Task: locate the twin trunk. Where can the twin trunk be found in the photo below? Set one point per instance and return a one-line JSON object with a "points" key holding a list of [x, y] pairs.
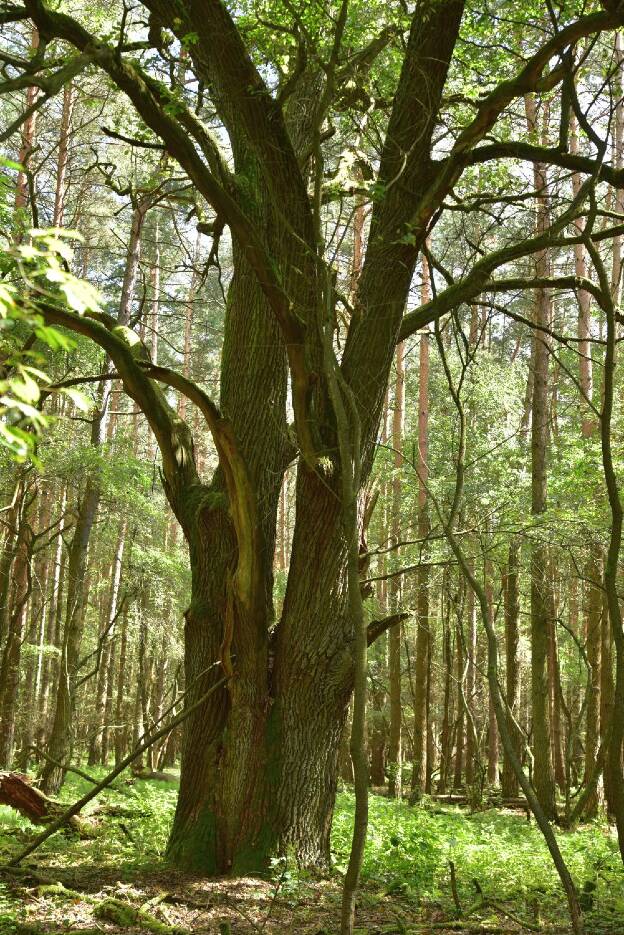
{"points": [[259, 762]]}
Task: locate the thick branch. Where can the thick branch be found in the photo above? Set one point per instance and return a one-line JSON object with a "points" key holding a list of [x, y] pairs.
{"points": [[220, 57], [530, 78], [123, 347], [147, 97], [377, 627], [518, 149], [13, 14], [241, 493], [478, 280]]}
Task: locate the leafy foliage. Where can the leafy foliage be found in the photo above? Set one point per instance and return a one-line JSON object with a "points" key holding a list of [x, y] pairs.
{"points": [[34, 270]]}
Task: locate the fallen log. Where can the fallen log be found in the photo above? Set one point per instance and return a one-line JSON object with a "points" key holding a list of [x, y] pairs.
{"points": [[494, 801], [156, 775], [18, 793]]}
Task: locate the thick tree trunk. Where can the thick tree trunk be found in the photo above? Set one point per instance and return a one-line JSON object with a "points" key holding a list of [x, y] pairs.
{"points": [[313, 673], [218, 783], [270, 753]]}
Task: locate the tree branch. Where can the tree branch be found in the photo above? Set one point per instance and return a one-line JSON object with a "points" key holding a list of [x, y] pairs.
{"points": [[478, 280], [377, 627], [530, 78], [517, 149], [124, 348], [148, 96], [242, 498], [50, 86], [227, 65]]}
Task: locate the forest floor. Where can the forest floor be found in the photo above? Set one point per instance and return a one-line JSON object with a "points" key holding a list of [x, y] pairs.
{"points": [[107, 879]]}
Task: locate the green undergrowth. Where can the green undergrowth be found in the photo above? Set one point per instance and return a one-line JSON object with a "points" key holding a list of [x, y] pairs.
{"points": [[134, 837], [407, 855], [409, 851]]}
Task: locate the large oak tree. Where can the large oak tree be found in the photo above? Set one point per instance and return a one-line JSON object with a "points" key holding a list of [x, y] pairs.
{"points": [[259, 762]]}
